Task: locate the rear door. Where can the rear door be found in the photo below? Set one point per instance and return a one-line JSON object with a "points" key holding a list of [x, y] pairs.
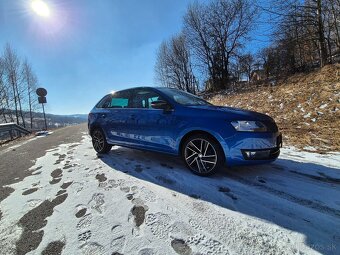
{"points": [[117, 119]]}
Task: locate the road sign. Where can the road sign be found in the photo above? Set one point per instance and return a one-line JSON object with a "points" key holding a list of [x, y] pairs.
{"points": [[42, 100], [41, 92]]}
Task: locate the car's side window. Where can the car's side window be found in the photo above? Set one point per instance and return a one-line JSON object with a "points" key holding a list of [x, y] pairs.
{"points": [[120, 100], [105, 102], [143, 98]]}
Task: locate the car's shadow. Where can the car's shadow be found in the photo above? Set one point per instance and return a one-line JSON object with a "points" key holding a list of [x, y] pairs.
{"points": [[245, 190]]}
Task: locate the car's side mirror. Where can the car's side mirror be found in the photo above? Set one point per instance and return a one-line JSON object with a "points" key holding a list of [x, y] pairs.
{"points": [[160, 104]]}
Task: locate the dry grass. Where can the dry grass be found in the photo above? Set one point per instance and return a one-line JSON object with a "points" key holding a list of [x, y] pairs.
{"points": [[306, 107]]}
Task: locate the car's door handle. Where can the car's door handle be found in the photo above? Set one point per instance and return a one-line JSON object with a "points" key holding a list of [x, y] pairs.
{"points": [[103, 115], [132, 116]]}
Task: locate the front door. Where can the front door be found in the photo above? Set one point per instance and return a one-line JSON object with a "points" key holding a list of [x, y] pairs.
{"points": [[154, 129]]}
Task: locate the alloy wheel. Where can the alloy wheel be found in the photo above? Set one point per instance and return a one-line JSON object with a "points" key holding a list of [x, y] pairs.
{"points": [[98, 141], [200, 155]]}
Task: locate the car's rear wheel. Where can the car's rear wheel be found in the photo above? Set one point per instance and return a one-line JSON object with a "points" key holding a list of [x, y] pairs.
{"points": [[99, 141], [202, 154]]}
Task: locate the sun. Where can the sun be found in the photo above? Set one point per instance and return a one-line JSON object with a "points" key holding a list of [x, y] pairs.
{"points": [[40, 8]]}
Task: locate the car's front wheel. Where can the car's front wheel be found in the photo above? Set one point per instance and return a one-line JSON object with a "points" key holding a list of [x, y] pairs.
{"points": [[99, 141], [202, 154]]}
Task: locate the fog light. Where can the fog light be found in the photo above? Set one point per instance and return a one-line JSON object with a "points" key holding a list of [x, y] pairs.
{"points": [[259, 154]]}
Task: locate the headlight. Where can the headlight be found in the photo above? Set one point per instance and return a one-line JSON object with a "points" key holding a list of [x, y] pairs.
{"points": [[249, 126]]}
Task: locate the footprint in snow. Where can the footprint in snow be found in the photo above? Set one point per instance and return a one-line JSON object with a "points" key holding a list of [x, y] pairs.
{"points": [[84, 237], [55, 181], [60, 159], [101, 177], [226, 191], [77, 187], [204, 245], [138, 213], [65, 185], [181, 247], [34, 202], [97, 202], [159, 224], [60, 192], [29, 191], [56, 175], [118, 239], [80, 211], [181, 230], [84, 222], [147, 251], [92, 248], [195, 225], [147, 195]]}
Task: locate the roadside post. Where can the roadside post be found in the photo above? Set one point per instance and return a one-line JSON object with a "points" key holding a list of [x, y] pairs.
{"points": [[41, 92]]}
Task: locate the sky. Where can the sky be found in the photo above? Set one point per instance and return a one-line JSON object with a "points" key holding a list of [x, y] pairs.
{"points": [[87, 48]]}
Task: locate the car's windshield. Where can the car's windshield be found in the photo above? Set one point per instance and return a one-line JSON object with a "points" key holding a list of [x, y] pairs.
{"points": [[183, 98]]}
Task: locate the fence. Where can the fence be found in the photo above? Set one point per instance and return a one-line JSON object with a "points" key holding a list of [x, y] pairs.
{"points": [[9, 131]]}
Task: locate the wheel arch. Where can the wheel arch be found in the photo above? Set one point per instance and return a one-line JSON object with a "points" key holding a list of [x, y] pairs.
{"points": [[94, 127], [213, 136]]}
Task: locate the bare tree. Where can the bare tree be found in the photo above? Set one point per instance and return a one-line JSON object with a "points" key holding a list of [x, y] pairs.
{"points": [[4, 100], [247, 62], [12, 73], [216, 31], [309, 29], [331, 17], [173, 66], [30, 80]]}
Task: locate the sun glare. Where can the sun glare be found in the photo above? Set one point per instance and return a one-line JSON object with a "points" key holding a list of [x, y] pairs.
{"points": [[40, 8]]}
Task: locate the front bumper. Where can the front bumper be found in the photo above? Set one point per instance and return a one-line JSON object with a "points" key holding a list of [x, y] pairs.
{"points": [[263, 154], [253, 148]]}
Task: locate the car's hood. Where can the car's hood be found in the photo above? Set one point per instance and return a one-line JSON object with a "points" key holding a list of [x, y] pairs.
{"points": [[235, 112]]}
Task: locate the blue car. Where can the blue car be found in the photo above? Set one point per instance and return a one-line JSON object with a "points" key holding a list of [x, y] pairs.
{"points": [[176, 122]]}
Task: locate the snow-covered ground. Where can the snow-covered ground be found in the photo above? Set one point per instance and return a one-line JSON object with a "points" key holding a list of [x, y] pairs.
{"points": [[134, 202]]}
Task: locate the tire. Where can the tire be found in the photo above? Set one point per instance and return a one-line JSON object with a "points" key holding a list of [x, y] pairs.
{"points": [[202, 154], [99, 141]]}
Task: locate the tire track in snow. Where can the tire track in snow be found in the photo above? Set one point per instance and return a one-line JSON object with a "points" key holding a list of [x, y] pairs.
{"points": [[304, 202]]}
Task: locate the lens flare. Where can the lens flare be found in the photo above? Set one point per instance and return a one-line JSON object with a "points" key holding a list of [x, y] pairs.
{"points": [[40, 8]]}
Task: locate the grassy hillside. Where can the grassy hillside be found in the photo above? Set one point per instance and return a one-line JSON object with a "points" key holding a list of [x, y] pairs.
{"points": [[305, 107]]}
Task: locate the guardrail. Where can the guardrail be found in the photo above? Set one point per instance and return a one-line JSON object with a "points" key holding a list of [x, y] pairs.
{"points": [[11, 131]]}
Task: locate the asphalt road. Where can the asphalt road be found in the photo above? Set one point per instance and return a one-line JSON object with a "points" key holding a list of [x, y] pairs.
{"points": [[17, 157]]}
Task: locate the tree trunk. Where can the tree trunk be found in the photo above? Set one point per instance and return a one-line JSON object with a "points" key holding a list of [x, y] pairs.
{"points": [[29, 101], [321, 35], [20, 106], [15, 99]]}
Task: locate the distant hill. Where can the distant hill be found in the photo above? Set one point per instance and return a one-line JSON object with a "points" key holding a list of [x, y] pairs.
{"points": [[79, 116], [53, 120]]}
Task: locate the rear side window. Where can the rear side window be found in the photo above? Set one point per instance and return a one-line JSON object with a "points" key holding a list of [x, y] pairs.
{"points": [[119, 102], [120, 99]]}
